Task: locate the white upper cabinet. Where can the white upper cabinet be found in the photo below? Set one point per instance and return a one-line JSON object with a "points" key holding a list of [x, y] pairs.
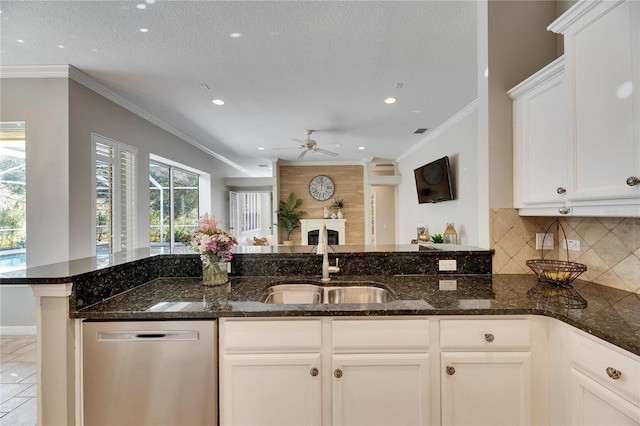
{"points": [[540, 114], [602, 47], [600, 139]]}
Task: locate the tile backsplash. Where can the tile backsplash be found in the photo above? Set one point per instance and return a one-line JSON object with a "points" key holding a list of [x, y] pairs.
{"points": [[609, 246]]}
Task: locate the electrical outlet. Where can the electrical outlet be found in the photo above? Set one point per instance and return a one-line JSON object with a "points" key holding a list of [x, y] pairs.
{"points": [[447, 265], [548, 241], [573, 245]]}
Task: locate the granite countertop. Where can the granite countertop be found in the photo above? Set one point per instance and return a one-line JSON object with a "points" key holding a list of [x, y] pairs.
{"points": [[611, 314]]}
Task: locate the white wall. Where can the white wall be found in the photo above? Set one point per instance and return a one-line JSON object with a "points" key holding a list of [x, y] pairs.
{"points": [[91, 112], [385, 213], [457, 138], [43, 105]]}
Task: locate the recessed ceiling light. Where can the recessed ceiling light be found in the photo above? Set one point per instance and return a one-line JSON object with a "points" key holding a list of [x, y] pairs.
{"points": [[260, 148], [218, 101], [144, 30], [20, 40], [150, 1], [94, 50], [235, 35], [61, 46], [141, 6], [361, 148], [390, 100]]}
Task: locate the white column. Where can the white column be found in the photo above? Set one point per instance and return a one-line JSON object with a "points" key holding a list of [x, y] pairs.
{"points": [[56, 354]]}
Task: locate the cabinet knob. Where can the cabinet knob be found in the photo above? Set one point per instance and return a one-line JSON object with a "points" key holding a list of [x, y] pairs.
{"points": [[564, 210], [450, 370], [613, 373], [314, 372], [337, 373], [561, 190], [489, 337], [632, 181]]}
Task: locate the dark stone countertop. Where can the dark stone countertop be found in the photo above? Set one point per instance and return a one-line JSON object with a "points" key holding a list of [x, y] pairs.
{"points": [[612, 315]]}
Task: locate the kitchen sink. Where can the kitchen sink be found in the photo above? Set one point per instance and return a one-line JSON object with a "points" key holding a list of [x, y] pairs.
{"points": [[305, 293]]}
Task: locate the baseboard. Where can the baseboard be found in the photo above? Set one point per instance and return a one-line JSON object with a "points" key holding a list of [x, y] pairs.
{"points": [[6, 330]]}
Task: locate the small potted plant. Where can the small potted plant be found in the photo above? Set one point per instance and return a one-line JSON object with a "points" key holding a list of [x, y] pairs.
{"points": [[289, 217], [338, 203], [437, 239]]}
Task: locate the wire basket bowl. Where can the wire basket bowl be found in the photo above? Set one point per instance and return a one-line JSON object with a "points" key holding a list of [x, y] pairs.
{"points": [[556, 272], [555, 278]]}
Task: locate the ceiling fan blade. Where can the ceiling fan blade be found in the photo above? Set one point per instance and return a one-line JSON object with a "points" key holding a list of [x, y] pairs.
{"points": [[297, 140], [302, 154], [281, 149], [325, 152]]}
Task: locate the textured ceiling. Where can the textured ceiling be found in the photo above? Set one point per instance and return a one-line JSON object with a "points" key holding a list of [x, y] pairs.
{"points": [[322, 65]]}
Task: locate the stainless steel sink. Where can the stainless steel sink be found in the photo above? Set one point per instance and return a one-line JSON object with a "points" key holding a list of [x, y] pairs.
{"points": [[358, 294], [305, 293]]}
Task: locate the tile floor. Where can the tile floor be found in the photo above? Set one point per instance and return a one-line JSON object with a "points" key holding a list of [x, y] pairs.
{"points": [[18, 388]]}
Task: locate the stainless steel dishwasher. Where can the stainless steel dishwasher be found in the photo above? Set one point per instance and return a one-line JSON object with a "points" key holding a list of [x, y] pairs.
{"points": [[149, 373]]}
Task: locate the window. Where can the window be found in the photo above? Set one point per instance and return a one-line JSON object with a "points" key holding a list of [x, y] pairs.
{"points": [[173, 204], [247, 213], [13, 201], [115, 197]]}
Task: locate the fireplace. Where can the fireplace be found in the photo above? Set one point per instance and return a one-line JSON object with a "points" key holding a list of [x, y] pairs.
{"points": [[310, 229]]}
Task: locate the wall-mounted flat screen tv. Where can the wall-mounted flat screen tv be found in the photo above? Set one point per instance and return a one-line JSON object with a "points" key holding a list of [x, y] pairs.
{"points": [[433, 181]]}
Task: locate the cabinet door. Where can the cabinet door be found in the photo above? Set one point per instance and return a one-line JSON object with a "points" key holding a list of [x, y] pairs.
{"points": [[486, 388], [270, 389], [541, 139], [594, 404], [601, 52], [380, 389]]}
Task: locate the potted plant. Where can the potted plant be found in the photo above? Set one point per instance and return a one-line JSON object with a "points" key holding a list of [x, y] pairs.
{"points": [[289, 217], [338, 203]]}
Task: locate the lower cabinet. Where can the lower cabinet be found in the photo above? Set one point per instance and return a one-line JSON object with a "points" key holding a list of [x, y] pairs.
{"points": [[486, 388], [485, 372], [271, 389], [380, 389], [325, 372], [605, 384]]}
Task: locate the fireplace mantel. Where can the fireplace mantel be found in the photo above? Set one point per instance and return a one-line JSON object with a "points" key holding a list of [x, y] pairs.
{"points": [[337, 225]]}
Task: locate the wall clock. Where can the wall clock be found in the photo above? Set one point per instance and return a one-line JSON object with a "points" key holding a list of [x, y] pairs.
{"points": [[321, 187]]}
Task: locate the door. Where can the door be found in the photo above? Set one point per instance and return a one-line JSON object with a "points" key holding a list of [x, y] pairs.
{"points": [[380, 389], [486, 388], [270, 389], [594, 404]]}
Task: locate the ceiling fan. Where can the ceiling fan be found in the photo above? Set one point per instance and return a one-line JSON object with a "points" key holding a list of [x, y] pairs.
{"points": [[309, 145]]}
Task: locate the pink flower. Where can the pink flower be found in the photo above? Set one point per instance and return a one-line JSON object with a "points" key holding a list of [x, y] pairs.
{"points": [[207, 223], [212, 241]]}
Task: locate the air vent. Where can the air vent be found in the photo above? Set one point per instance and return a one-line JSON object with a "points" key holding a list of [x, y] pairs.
{"points": [[384, 165], [263, 165], [420, 131]]}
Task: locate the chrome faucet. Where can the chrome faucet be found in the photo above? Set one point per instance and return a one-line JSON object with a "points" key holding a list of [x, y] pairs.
{"points": [[323, 249]]}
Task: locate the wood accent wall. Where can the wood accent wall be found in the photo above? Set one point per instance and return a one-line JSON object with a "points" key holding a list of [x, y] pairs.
{"points": [[349, 182]]}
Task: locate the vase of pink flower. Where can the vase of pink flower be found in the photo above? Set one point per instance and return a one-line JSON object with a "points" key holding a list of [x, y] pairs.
{"points": [[214, 246]]}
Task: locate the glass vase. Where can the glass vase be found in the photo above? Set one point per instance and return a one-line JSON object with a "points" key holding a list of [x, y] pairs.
{"points": [[214, 271]]}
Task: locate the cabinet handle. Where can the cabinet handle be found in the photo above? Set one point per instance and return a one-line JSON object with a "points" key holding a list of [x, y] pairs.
{"points": [[613, 373], [337, 373], [632, 181], [564, 210], [561, 190], [314, 372], [450, 370], [489, 337]]}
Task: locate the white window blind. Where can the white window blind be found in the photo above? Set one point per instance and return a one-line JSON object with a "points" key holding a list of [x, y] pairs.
{"points": [[115, 195]]}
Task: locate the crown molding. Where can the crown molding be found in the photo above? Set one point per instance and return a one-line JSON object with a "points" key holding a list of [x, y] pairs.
{"points": [[34, 71], [459, 116], [69, 71], [539, 78]]}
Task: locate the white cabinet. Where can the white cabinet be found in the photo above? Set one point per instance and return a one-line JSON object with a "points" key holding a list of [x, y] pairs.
{"points": [[540, 114], [367, 372], [605, 384], [602, 47], [485, 372], [380, 372], [271, 389], [270, 372]]}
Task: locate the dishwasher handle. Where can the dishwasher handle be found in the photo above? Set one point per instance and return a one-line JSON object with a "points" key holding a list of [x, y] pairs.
{"points": [[146, 335]]}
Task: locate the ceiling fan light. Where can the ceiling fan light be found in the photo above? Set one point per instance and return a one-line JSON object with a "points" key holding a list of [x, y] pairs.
{"points": [[390, 100]]}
